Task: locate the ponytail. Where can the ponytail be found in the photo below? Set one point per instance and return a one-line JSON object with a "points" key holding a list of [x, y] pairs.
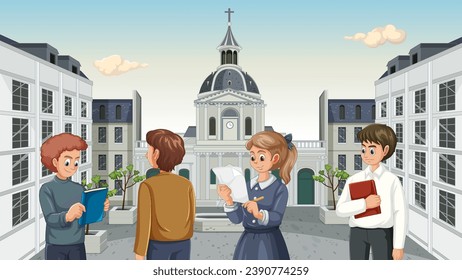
{"points": [[275, 143]]}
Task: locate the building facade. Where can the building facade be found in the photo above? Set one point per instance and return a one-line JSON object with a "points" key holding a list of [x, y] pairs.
{"points": [[229, 110], [116, 127], [43, 94], [419, 97], [340, 120]]}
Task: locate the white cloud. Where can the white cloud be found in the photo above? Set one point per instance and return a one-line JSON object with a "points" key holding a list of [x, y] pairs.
{"points": [[379, 36], [115, 65]]}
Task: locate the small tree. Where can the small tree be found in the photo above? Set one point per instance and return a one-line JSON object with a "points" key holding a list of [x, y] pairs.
{"points": [[328, 176], [96, 183], [130, 178]]}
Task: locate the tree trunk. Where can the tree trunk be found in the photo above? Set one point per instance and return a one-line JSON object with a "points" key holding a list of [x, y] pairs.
{"points": [[87, 229], [123, 198], [333, 199]]}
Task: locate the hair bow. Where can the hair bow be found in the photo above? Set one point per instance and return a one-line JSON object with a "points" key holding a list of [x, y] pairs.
{"points": [[288, 138]]}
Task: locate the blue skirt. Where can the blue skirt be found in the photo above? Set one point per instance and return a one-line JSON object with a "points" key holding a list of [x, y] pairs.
{"points": [[261, 244]]}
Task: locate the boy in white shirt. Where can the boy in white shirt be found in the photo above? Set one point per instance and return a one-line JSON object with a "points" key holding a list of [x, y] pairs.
{"points": [[384, 232]]}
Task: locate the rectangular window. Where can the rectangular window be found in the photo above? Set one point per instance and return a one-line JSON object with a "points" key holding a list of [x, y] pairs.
{"points": [[68, 127], [67, 106], [83, 176], [52, 58], [83, 131], [419, 167], [447, 133], [357, 130], [399, 132], [420, 103], [83, 156], [447, 168], [47, 101], [358, 162], [101, 135], [399, 159], [383, 109], [447, 207], [118, 134], [20, 168], [83, 109], [342, 162], [20, 207], [342, 134], [45, 171], [341, 186], [447, 96], [20, 133], [47, 130], [420, 195], [399, 106], [414, 58], [101, 162], [118, 187], [118, 161], [420, 133], [20, 96]]}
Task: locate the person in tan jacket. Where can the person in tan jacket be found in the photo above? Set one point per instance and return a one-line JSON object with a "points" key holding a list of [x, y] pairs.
{"points": [[166, 203]]}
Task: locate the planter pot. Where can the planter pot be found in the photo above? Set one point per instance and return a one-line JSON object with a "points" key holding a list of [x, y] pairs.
{"points": [[96, 241], [328, 217], [117, 216]]}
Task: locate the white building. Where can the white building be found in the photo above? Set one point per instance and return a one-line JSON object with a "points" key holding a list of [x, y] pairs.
{"points": [[43, 94], [340, 120], [116, 127], [229, 110], [420, 98]]}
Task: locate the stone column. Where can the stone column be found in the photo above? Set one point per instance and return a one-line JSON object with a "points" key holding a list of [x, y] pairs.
{"points": [[207, 176], [205, 122], [198, 182], [219, 132], [241, 121]]}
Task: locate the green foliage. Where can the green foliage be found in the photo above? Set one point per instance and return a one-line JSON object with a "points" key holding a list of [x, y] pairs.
{"points": [[96, 183], [129, 177], [331, 178]]}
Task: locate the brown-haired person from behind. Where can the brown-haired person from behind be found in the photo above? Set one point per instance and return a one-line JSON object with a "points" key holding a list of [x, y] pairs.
{"points": [[166, 203], [60, 198]]}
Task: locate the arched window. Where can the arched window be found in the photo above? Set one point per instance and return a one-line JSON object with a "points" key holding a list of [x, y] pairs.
{"points": [[235, 57], [229, 57], [248, 126], [341, 112], [102, 112], [373, 112], [118, 112], [212, 126], [223, 57], [247, 175], [358, 112], [213, 178], [184, 173]]}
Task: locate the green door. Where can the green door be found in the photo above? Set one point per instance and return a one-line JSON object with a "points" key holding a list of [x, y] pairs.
{"points": [[305, 186], [184, 173]]}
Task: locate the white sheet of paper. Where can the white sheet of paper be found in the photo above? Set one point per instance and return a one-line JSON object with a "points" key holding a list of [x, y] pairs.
{"points": [[233, 178]]}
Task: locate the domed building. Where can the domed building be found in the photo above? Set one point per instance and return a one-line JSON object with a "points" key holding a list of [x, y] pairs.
{"points": [[229, 110]]}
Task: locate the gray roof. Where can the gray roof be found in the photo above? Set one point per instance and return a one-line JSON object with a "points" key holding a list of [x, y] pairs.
{"points": [[190, 132], [229, 39], [229, 78]]}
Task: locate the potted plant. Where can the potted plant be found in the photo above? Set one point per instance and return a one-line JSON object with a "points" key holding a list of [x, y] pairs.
{"points": [[129, 177], [331, 178], [95, 240]]}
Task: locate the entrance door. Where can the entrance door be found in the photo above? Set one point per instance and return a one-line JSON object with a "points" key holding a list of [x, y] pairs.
{"points": [[305, 186], [229, 127]]}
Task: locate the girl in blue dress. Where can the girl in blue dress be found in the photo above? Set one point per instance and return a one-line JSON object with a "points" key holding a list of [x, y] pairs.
{"points": [[262, 238]]}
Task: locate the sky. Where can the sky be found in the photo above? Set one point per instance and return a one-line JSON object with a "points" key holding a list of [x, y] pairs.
{"points": [[294, 50]]}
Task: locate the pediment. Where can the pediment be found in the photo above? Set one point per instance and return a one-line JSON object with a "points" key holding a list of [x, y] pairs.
{"points": [[229, 96]]}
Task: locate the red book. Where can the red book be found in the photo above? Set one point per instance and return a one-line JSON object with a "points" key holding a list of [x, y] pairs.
{"points": [[362, 190]]}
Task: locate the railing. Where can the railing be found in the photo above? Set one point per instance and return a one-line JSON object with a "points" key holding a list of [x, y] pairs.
{"points": [[299, 144], [309, 144]]}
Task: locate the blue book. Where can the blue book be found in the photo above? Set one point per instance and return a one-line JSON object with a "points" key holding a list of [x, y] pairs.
{"points": [[93, 200]]}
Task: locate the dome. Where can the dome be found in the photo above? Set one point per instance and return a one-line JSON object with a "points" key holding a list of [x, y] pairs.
{"points": [[229, 78]]}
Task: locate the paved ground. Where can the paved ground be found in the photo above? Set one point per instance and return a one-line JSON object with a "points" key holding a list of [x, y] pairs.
{"points": [[306, 237]]}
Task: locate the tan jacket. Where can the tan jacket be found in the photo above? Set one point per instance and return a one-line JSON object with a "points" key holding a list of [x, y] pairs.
{"points": [[166, 210]]}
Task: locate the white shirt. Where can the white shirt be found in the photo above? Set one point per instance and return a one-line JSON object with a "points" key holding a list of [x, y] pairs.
{"points": [[393, 205]]}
